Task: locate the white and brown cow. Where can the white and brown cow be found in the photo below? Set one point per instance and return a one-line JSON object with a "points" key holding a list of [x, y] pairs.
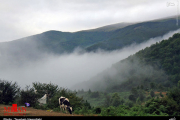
{"points": [[65, 104]]}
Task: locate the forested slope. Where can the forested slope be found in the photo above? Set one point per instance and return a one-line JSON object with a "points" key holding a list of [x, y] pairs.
{"points": [[158, 64]]}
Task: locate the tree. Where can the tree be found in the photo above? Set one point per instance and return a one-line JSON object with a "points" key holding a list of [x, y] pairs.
{"points": [[8, 91], [152, 93], [95, 94], [107, 101], [141, 96], [174, 94], [82, 90], [132, 98], [129, 103], [134, 91], [152, 85], [160, 87], [89, 92], [171, 105], [142, 87], [43, 88], [161, 94], [178, 84], [115, 100], [29, 96], [164, 105], [86, 104], [138, 100]]}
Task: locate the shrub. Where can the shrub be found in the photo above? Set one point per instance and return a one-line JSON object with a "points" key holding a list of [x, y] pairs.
{"points": [[110, 111], [129, 103], [97, 110], [56, 109], [171, 105], [162, 106]]}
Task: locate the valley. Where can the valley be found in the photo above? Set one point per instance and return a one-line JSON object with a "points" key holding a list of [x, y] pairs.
{"points": [[128, 70]]}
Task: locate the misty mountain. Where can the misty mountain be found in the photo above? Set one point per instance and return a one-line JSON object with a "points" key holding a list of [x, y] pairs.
{"points": [[158, 64], [111, 27], [136, 33], [109, 37]]}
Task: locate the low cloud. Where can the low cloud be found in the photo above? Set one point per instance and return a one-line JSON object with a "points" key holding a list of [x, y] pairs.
{"points": [[68, 69]]}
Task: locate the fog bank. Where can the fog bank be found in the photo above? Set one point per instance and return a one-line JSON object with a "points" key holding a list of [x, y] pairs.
{"points": [[68, 69]]}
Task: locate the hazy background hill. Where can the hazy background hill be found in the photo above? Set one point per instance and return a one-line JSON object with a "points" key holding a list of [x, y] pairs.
{"points": [[109, 37], [112, 27]]}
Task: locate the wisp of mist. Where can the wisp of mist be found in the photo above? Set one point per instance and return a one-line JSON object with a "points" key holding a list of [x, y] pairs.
{"points": [[68, 69]]}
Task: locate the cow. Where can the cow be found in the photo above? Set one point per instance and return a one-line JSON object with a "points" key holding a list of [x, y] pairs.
{"points": [[65, 104]]}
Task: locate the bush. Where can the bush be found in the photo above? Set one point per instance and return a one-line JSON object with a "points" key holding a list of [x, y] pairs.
{"points": [[42, 107], [56, 109], [110, 111], [129, 103], [171, 105], [121, 110], [76, 111], [162, 106], [97, 110], [83, 111]]}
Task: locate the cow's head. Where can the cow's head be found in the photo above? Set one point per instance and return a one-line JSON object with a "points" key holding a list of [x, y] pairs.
{"points": [[69, 109]]}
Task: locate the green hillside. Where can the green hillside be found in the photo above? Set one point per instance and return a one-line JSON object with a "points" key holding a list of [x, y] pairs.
{"points": [[157, 65], [135, 33]]}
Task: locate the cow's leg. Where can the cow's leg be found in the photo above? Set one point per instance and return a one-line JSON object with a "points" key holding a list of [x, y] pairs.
{"points": [[61, 107], [65, 107]]}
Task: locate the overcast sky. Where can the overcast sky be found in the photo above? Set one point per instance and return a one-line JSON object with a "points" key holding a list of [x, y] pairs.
{"points": [[21, 18]]}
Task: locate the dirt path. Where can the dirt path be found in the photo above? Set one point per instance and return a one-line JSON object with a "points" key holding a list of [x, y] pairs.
{"points": [[33, 112]]}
